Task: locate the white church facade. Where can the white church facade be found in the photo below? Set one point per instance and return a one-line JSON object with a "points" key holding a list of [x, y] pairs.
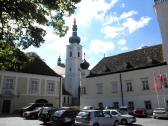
{"points": [[127, 79]]}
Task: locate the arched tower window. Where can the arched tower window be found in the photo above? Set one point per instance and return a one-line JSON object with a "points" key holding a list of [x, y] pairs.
{"points": [[70, 54], [78, 54]]}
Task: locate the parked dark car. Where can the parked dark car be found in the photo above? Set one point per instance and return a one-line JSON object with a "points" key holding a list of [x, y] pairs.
{"points": [[32, 114], [64, 117], [32, 106], [45, 114], [140, 112]]}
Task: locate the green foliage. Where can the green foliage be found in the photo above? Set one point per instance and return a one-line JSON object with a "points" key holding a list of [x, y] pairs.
{"points": [[11, 58], [21, 20]]}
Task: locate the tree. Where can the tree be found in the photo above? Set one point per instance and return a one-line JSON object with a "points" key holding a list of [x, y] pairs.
{"points": [[21, 20], [11, 58]]}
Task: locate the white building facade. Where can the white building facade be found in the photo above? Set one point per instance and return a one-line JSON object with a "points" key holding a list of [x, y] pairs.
{"points": [[34, 83], [73, 60], [19, 89], [130, 88]]}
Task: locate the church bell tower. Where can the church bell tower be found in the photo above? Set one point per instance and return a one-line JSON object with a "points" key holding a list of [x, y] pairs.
{"points": [[161, 9], [73, 61]]}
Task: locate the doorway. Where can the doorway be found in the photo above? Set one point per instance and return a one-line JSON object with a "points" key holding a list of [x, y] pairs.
{"points": [[6, 106]]}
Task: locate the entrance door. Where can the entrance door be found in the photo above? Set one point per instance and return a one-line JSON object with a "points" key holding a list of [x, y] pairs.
{"points": [[6, 106]]}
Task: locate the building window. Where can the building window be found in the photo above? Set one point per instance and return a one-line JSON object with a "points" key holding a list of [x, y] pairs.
{"points": [[165, 81], [68, 100], [114, 87], [8, 83], [148, 105], [99, 88], [70, 54], [83, 90], [145, 84], [129, 86], [115, 105], [50, 87], [167, 103], [78, 54], [64, 100], [131, 105], [34, 83]]}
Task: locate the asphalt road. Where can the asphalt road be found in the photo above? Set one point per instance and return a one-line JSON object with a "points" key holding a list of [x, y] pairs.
{"points": [[151, 122], [19, 121]]}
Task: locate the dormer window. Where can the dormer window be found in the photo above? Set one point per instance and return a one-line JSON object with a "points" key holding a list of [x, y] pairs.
{"points": [[106, 69], [149, 59], [127, 65]]}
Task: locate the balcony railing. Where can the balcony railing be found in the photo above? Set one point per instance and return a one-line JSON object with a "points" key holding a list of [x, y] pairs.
{"points": [[160, 1]]}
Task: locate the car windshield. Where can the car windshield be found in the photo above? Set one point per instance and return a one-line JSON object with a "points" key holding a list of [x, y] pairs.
{"points": [[59, 113], [28, 105], [139, 109], [160, 109], [45, 110], [83, 114], [37, 108]]}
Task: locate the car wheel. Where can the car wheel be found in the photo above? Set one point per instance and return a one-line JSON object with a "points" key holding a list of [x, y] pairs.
{"points": [[116, 123], [32, 116], [44, 121], [96, 124], [124, 121]]}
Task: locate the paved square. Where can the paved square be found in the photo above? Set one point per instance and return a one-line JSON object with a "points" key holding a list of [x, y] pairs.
{"points": [[19, 121]]}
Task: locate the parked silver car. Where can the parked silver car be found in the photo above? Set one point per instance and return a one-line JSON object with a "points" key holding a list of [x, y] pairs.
{"points": [[88, 107], [160, 113], [95, 118], [123, 117]]}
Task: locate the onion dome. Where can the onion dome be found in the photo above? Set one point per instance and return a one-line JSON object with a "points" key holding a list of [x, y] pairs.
{"points": [[74, 38], [85, 65]]}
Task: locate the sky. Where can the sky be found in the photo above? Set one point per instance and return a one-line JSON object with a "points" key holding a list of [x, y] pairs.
{"points": [[106, 28]]}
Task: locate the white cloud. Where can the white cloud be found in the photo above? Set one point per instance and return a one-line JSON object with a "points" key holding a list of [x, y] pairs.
{"points": [[92, 9], [114, 18], [112, 31], [124, 48], [114, 25], [98, 46], [55, 43], [122, 42], [134, 25], [128, 14], [110, 19], [141, 46]]}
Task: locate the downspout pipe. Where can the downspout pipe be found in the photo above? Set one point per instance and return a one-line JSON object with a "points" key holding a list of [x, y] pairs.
{"points": [[121, 86], [60, 92]]}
